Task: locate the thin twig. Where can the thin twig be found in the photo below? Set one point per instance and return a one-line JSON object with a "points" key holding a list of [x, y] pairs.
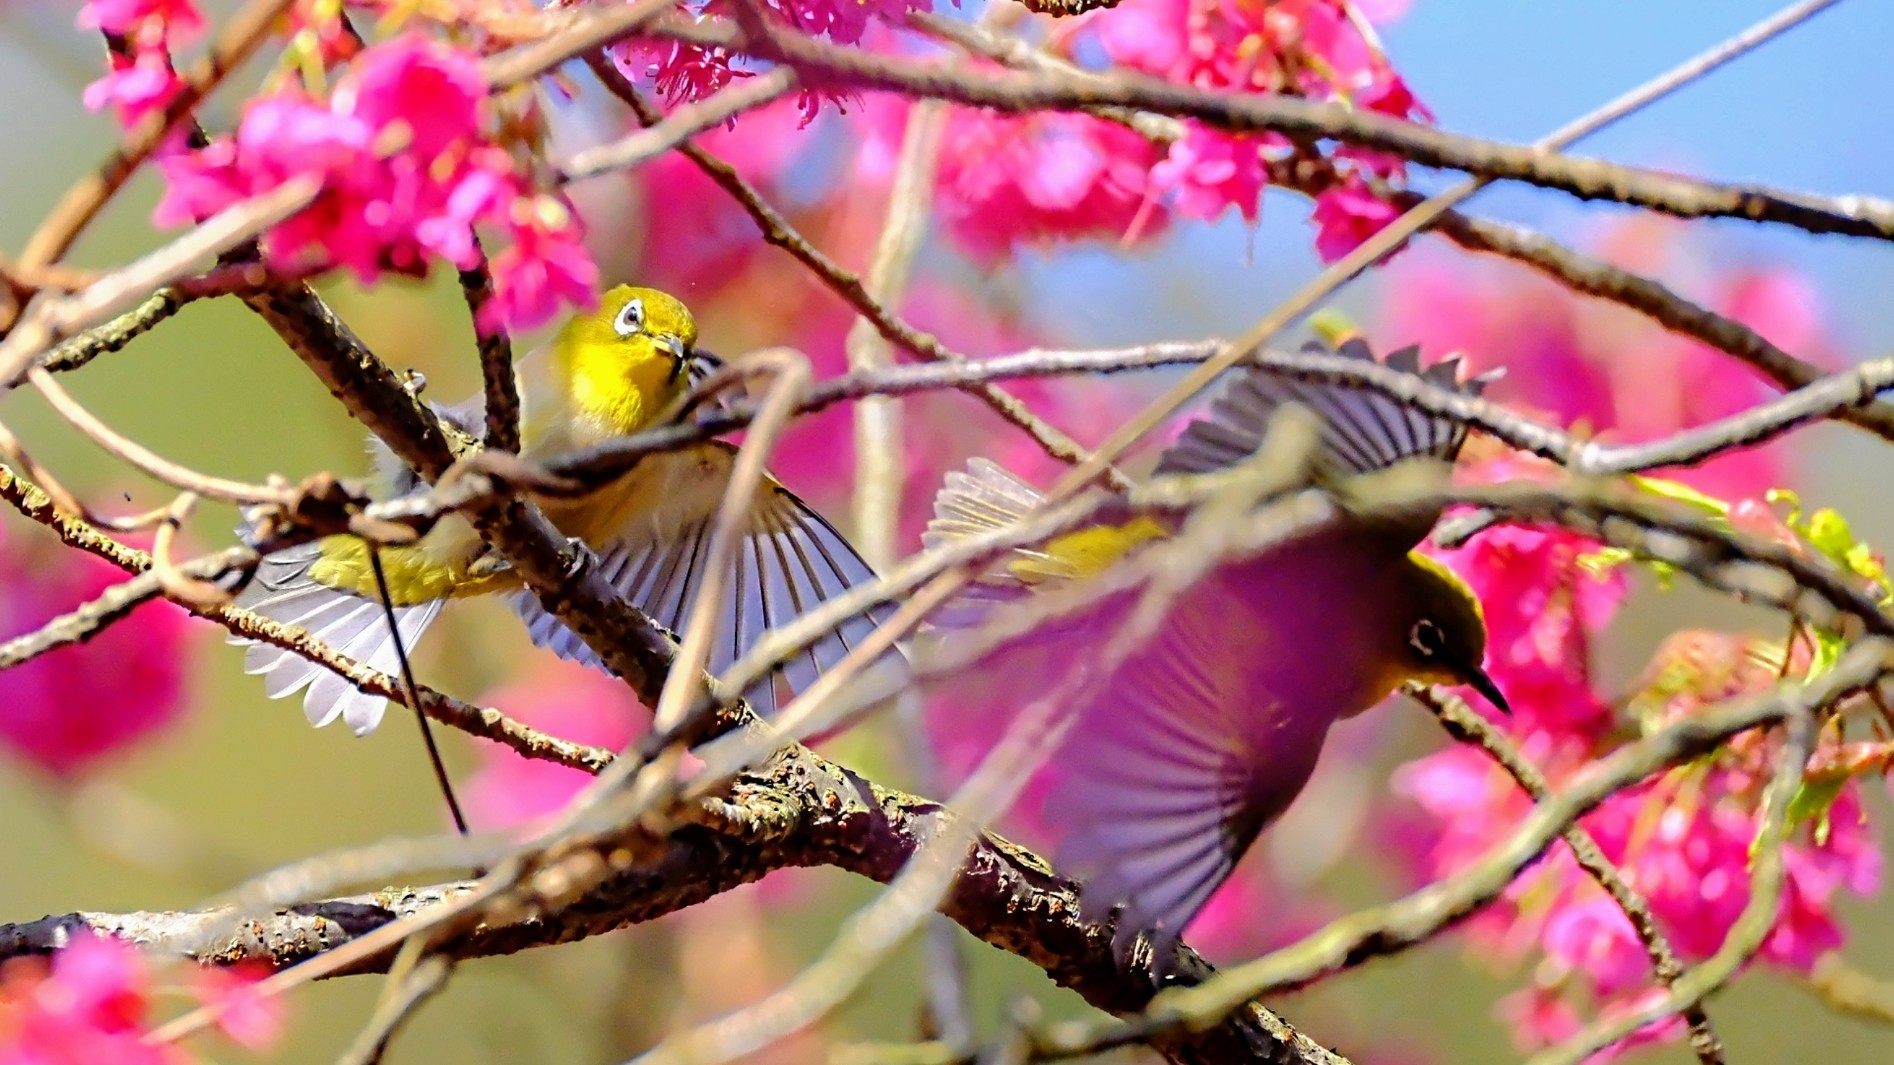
{"points": [[112, 605], [880, 472], [241, 36], [116, 334], [788, 372], [1752, 926], [1396, 926], [1421, 215], [144, 459], [679, 126], [589, 29], [485, 723], [411, 691], [1591, 179], [1848, 990], [1576, 271], [1470, 728], [1594, 277], [498, 380], [408, 993], [51, 319], [777, 231], [875, 931]]}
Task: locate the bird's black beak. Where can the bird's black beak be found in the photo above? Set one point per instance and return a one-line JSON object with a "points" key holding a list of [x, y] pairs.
{"points": [[680, 354], [1477, 679]]}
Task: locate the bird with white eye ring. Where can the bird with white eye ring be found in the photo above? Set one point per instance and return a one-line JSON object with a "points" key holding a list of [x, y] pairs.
{"points": [[1183, 750], [608, 373]]}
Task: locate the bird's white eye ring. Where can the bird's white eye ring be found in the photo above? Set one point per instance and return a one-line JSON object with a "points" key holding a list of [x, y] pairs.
{"points": [[1426, 638], [630, 318]]}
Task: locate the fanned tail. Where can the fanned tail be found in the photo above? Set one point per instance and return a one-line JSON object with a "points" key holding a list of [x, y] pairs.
{"points": [[984, 498], [283, 591]]}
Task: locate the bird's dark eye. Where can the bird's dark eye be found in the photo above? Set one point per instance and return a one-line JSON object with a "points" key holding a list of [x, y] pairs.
{"points": [[630, 320], [1426, 639]]}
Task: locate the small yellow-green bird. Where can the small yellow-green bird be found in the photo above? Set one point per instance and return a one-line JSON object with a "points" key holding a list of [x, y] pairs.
{"points": [[609, 372], [1203, 736]]}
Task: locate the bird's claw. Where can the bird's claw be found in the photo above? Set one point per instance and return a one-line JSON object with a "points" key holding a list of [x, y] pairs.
{"points": [[580, 558], [488, 566]]}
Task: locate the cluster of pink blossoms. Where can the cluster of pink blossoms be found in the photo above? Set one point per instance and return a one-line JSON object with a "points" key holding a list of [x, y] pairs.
{"points": [[141, 79], [684, 71], [1064, 176], [1682, 839], [1604, 370], [91, 1004], [404, 150], [1017, 181]]}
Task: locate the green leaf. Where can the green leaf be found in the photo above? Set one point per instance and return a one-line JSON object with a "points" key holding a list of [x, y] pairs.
{"points": [[1333, 326], [1781, 497], [1829, 533], [1812, 802], [1828, 648], [1599, 564], [1682, 493]]}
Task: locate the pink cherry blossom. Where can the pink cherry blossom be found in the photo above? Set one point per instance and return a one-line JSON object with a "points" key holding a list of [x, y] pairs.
{"points": [[564, 700], [1601, 369], [1543, 610], [244, 1015], [136, 86], [1541, 1017], [1016, 181], [1207, 172], [421, 99], [1345, 215], [679, 70], [72, 708], [89, 1006], [545, 268], [1682, 840], [154, 21], [407, 171]]}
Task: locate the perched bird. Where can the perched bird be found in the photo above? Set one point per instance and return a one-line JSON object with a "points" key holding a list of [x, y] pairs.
{"points": [[1193, 744], [608, 373]]}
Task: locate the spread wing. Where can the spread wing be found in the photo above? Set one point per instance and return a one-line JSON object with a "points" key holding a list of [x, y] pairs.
{"points": [[1173, 769], [791, 560], [283, 591], [1363, 430]]}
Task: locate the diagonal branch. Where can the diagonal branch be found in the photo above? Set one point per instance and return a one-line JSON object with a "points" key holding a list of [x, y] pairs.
{"points": [[485, 723], [1249, 113]]}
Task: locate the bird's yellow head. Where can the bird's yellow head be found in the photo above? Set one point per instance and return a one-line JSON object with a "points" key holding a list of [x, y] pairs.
{"points": [[624, 361], [1444, 631]]}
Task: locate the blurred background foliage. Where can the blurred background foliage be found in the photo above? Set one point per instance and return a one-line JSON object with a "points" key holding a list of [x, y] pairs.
{"points": [[240, 784]]}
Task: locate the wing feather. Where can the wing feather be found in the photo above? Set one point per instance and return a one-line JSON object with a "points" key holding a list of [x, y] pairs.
{"points": [[1363, 430], [791, 561], [1169, 775]]}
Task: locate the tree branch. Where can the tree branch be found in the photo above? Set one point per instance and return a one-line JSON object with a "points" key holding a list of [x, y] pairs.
{"points": [[800, 810]]}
